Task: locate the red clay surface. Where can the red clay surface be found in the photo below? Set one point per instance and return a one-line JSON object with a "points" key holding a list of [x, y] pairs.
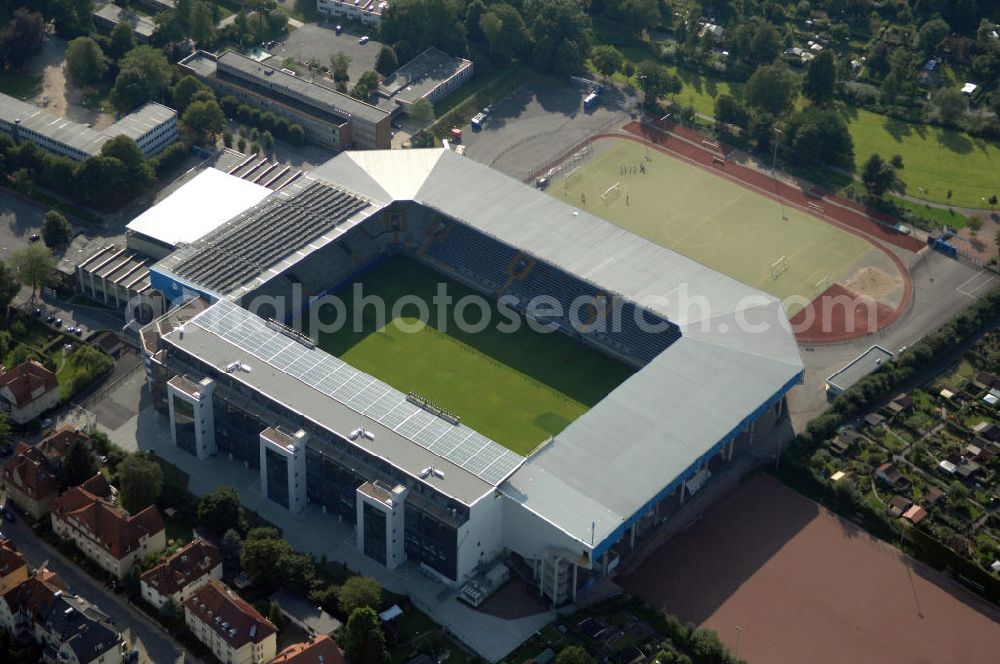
{"points": [[826, 319], [806, 587]]}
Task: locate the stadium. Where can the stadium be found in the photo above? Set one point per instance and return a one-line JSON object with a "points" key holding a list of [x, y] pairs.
{"points": [[554, 448]]}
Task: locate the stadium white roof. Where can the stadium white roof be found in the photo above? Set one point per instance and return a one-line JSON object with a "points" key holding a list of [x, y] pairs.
{"points": [[737, 355], [198, 207]]}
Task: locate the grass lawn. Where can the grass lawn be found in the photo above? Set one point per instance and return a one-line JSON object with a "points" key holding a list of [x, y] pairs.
{"points": [[20, 84], [936, 160], [714, 221], [941, 216], [517, 388]]}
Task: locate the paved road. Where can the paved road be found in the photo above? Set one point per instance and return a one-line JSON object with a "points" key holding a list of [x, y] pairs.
{"points": [[153, 644]]}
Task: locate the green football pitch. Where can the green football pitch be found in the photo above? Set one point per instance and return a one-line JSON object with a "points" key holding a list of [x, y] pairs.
{"points": [[516, 388], [711, 219]]}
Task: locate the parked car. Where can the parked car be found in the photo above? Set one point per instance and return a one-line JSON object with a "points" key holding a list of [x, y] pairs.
{"points": [[364, 40], [338, 29], [542, 183], [57, 322], [49, 319], [77, 331], [35, 237], [37, 312]]}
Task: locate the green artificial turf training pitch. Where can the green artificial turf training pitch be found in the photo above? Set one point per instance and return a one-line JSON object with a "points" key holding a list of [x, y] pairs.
{"points": [[714, 221], [515, 388]]}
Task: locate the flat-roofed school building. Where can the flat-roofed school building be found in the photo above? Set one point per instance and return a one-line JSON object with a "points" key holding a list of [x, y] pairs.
{"points": [[330, 119]]}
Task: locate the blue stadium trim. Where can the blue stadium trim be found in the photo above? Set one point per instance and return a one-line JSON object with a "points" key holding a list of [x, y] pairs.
{"points": [[619, 532]]}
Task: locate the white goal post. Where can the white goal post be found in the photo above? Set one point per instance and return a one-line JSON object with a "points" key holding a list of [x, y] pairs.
{"points": [[779, 267], [612, 193]]}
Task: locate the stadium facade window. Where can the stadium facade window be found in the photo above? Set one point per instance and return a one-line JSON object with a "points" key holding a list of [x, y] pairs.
{"points": [[374, 536], [277, 477], [184, 425], [237, 432], [431, 541]]}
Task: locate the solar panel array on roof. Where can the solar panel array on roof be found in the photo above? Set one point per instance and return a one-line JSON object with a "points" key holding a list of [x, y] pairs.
{"points": [[360, 392], [246, 246]]}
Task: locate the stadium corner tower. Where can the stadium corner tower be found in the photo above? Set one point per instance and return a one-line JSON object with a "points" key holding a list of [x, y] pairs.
{"points": [[420, 487]]}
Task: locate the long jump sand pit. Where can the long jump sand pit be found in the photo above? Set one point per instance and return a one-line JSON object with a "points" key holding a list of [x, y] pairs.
{"points": [[805, 586]]}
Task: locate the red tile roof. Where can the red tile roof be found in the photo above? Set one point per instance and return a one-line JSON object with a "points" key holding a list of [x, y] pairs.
{"points": [[30, 471], [25, 379], [229, 615], [117, 532], [188, 564], [319, 649], [11, 559], [57, 444]]}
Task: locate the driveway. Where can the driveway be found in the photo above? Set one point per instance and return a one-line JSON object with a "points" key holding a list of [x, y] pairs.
{"points": [[152, 642]]}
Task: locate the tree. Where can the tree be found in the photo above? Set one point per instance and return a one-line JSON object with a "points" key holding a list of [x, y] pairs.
{"points": [[364, 640], [950, 105], [122, 40], [35, 266], [262, 555], [275, 615], [421, 24], [730, 111], [170, 611], [184, 91], [821, 78], [607, 59], [231, 550], [574, 655], [220, 510], [765, 45], [820, 134], [339, 64], [366, 85], [772, 88], [156, 70], [140, 482], [505, 31], [9, 287], [358, 592], [138, 171], [85, 61], [878, 176], [205, 119], [561, 32], [931, 33], [386, 62], [22, 38], [130, 91], [77, 465], [202, 25], [421, 113], [56, 230]]}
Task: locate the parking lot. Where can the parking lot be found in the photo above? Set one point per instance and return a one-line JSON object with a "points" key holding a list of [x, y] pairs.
{"points": [[18, 221], [539, 123], [319, 42]]}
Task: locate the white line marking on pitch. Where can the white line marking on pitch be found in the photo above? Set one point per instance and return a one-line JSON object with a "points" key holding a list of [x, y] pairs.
{"points": [[972, 292]]}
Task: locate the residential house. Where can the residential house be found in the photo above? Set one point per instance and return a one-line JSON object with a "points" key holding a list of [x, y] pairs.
{"points": [[27, 391], [30, 481], [317, 649], [13, 568], [69, 628], [900, 404], [182, 574], [898, 505], [892, 476], [932, 496], [105, 533], [233, 630], [915, 514]]}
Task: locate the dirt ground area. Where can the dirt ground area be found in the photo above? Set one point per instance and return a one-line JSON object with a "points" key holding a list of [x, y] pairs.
{"points": [[795, 583], [874, 283], [59, 96]]}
